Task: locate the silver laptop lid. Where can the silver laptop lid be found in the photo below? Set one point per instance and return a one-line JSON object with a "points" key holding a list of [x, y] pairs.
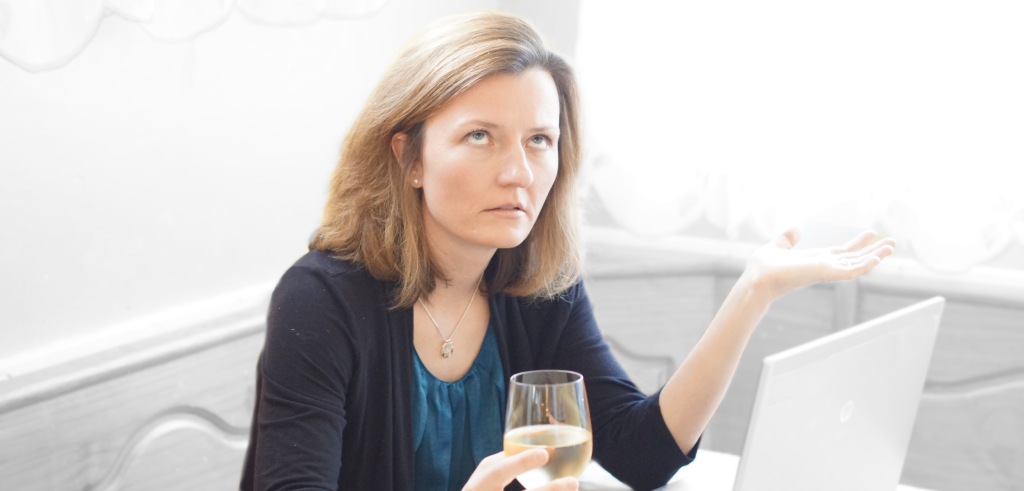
{"points": [[837, 413]]}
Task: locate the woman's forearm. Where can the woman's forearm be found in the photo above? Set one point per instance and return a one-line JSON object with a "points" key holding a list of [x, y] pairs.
{"points": [[692, 395]]}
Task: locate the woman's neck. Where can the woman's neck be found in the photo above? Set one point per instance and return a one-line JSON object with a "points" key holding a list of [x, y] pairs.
{"points": [[461, 266]]}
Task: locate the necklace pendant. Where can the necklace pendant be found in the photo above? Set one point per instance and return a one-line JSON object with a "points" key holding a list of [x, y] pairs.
{"points": [[447, 349]]}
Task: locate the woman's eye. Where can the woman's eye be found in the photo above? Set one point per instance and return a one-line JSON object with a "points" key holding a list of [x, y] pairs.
{"points": [[478, 137], [539, 141]]}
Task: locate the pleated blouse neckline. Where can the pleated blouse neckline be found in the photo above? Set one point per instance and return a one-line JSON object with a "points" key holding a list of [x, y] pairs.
{"points": [[456, 424]]}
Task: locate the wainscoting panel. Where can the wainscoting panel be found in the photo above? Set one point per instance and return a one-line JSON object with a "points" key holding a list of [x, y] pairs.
{"points": [[975, 340], [187, 451], [651, 323], [797, 318], [969, 437], [969, 432], [175, 425], [663, 315]]}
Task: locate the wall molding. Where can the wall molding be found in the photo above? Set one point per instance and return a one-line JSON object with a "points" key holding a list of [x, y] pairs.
{"points": [[983, 285], [176, 334], [966, 389], [136, 329]]}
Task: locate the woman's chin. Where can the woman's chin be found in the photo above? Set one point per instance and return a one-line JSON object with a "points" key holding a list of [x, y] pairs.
{"points": [[507, 244], [506, 239]]}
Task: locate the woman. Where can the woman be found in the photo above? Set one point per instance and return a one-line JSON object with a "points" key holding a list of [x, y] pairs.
{"points": [[448, 260]]}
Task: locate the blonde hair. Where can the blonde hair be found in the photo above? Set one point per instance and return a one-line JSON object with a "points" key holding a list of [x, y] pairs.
{"points": [[375, 219]]}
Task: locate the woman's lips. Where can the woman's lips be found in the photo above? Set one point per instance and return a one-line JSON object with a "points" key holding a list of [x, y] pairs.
{"points": [[507, 212]]}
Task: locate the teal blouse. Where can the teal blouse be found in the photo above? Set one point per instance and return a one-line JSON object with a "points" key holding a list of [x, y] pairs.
{"points": [[457, 424]]}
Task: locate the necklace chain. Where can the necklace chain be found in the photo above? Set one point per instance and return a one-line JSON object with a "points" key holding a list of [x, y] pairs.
{"points": [[448, 347]]}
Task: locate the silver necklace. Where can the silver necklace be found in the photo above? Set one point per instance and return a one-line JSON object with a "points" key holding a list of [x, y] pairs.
{"points": [[448, 347]]}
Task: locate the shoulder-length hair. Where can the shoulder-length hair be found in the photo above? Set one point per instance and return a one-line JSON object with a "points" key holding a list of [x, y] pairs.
{"points": [[374, 217]]}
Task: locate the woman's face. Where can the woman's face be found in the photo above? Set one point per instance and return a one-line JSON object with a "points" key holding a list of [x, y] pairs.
{"points": [[490, 157]]}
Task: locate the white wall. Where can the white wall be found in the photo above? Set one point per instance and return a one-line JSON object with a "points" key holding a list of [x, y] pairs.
{"points": [[147, 177]]}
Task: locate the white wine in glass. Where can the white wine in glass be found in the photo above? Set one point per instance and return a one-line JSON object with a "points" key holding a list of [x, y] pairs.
{"points": [[548, 409]]}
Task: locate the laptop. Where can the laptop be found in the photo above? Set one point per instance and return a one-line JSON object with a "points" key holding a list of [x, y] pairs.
{"points": [[837, 413], [833, 414]]}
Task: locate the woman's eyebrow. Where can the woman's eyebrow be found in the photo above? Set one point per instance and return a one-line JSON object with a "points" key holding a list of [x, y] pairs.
{"points": [[479, 122], [485, 124]]}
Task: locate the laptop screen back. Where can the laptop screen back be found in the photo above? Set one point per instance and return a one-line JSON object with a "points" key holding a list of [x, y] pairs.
{"points": [[837, 413]]}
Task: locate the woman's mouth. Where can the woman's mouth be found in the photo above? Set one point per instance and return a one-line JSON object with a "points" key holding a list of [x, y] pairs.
{"points": [[508, 211]]}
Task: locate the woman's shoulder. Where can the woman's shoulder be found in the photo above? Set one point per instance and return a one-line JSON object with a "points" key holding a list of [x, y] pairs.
{"points": [[563, 300], [328, 264], [335, 270], [320, 278], [321, 314], [558, 309], [542, 329], [326, 302]]}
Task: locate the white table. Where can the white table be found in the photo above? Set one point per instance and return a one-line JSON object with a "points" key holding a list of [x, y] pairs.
{"points": [[711, 471]]}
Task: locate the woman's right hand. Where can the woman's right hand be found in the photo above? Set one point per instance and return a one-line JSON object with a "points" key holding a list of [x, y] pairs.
{"points": [[496, 471]]}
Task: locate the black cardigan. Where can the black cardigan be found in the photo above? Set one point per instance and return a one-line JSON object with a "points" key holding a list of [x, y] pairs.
{"points": [[334, 384]]}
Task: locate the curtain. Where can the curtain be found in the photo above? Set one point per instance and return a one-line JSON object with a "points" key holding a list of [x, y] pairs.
{"points": [[904, 117], [45, 34]]}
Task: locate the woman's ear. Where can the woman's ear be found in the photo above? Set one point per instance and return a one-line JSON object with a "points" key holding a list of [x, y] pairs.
{"points": [[398, 144]]}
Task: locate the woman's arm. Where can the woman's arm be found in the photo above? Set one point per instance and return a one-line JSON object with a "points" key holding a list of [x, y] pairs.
{"points": [[692, 395], [631, 440], [304, 371]]}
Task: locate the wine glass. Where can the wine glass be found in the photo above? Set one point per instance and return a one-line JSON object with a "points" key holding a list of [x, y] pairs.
{"points": [[548, 409]]}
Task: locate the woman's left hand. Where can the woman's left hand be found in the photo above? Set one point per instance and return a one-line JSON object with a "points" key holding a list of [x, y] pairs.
{"points": [[777, 269]]}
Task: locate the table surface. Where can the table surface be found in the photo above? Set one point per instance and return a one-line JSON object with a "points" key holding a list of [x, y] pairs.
{"points": [[711, 471]]}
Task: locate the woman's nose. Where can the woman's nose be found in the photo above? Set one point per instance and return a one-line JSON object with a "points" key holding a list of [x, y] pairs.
{"points": [[516, 168]]}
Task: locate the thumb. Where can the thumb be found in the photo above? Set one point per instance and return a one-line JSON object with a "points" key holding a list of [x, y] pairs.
{"points": [[787, 239]]}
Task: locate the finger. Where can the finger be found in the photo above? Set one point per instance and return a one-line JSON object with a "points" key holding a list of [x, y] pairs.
{"points": [[491, 460], [862, 239], [882, 251], [872, 249], [563, 484], [865, 264], [510, 467], [787, 239]]}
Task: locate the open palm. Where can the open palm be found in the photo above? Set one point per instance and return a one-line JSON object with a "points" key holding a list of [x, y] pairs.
{"points": [[780, 269]]}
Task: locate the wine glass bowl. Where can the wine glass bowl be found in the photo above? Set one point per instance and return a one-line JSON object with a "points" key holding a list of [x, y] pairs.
{"points": [[548, 409]]}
